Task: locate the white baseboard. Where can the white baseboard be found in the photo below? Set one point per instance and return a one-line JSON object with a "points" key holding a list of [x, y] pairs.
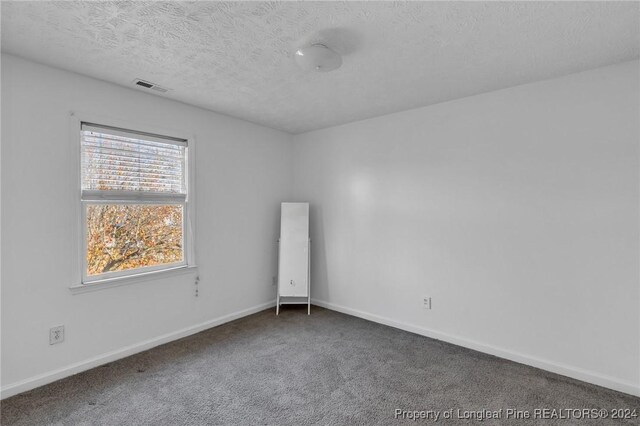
{"points": [[70, 370], [565, 370], [554, 367]]}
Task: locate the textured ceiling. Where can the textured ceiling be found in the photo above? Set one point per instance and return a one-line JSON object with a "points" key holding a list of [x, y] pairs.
{"points": [[237, 58]]}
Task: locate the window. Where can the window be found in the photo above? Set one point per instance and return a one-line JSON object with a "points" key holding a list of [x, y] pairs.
{"points": [[134, 202]]}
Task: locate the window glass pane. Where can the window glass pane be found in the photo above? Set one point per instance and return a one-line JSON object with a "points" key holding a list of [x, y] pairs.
{"points": [[127, 236], [118, 163]]}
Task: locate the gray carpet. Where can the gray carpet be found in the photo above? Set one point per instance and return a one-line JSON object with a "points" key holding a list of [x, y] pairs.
{"points": [[327, 368]]}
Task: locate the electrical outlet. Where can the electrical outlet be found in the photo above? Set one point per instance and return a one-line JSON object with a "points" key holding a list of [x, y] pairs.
{"points": [[426, 302], [56, 335], [274, 280]]}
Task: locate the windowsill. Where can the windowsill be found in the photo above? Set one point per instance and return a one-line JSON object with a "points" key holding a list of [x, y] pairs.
{"points": [[132, 279]]}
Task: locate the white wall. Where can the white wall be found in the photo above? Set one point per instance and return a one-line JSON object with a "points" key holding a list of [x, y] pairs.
{"points": [[243, 173], [516, 211]]}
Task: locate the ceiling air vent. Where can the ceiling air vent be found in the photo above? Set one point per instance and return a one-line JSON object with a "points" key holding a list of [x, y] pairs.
{"points": [[149, 85]]}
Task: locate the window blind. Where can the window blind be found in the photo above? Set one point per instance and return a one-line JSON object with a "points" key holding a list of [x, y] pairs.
{"points": [[120, 164]]}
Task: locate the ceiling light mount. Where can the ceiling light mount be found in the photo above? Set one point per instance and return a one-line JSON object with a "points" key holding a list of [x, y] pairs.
{"points": [[318, 57]]}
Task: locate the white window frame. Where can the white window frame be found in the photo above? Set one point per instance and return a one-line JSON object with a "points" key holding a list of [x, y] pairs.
{"points": [[111, 279]]}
